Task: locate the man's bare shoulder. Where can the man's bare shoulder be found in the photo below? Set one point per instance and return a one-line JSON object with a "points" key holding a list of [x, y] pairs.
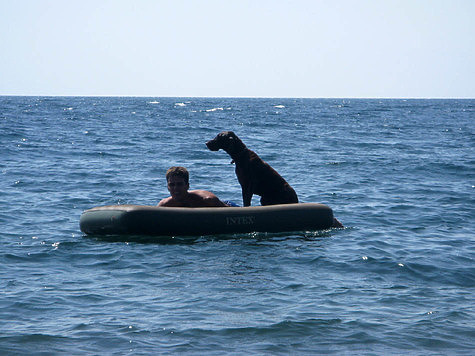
{"points": [[201, 193], [206, 199], [194, 199], [168, 202]]}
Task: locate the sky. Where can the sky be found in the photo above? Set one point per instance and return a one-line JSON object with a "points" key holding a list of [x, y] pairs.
{"points": [[239, 48]]}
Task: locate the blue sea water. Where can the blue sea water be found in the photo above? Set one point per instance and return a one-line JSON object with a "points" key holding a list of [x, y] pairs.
{"points": [[398, 279]]}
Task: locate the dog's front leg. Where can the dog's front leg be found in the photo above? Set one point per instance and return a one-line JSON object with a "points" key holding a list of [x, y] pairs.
{"points": [[246, 187], [242, 174], [246, 196]]}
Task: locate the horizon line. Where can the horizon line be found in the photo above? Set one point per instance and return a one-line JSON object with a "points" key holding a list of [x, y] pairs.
{"points": [[235, 97]]}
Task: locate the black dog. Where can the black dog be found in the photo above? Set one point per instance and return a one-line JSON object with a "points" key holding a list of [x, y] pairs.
{"points": [[254, 175]]}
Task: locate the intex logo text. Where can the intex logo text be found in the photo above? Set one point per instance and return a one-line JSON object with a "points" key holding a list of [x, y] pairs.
{"points": [[240, 220]]}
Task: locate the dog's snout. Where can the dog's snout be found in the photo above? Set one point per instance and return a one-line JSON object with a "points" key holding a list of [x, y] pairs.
{"points": [[212, 146]]}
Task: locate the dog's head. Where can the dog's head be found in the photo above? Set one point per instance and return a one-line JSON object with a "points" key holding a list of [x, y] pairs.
{"points": [[226, 140]]}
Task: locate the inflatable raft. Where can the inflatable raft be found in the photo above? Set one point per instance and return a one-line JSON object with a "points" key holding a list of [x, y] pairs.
{"points": [[164, 221]]}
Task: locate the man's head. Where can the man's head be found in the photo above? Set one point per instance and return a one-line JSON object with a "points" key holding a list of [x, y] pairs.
{"points": [[177, 181], [178, 172]]}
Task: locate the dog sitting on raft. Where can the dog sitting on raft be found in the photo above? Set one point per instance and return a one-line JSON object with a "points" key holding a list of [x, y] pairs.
{"points": [[254, 175]]}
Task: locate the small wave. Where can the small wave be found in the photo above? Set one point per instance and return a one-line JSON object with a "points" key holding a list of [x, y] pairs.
{"points": [[285, 327], [279, 106], [180, 104], [153, 102], [215, 109]]}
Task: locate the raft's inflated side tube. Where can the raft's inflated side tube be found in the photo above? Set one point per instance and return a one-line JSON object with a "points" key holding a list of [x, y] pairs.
{"points": [[163, 221]]}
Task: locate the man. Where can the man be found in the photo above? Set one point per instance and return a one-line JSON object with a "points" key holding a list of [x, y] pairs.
{"points": [[178, 185]]}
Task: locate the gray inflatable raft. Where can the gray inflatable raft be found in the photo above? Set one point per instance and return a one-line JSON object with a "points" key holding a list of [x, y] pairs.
{"points": [[164, 221]]}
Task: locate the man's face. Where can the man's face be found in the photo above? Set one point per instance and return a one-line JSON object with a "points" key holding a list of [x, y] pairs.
{"points": [[177, 187]]}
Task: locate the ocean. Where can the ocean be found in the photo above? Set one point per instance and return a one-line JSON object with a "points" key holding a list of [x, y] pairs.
{"points": [[398, 279]]}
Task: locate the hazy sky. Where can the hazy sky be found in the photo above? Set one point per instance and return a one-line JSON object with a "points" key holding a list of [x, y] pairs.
{"points": [[255, 48]]}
